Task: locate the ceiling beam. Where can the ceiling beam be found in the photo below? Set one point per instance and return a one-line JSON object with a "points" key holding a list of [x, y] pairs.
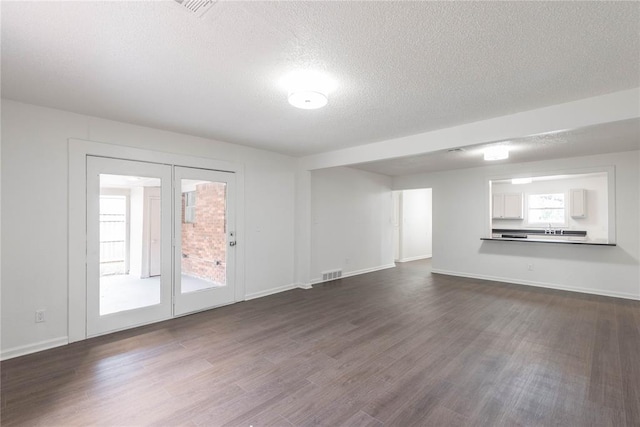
{"points": [[612, 107]]}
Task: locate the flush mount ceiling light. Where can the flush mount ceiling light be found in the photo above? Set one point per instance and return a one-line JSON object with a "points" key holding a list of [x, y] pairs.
{"points": [[308, 99], [496, 153], [308, 90]]}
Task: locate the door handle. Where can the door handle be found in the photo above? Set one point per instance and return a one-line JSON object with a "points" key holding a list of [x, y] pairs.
{"points": [[232, 243]]}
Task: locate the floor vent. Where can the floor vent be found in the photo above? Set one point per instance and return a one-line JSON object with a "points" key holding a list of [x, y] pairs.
{"points": [[331, 275]]}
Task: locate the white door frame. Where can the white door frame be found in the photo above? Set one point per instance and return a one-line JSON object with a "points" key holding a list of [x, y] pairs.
{"points": [[78, 152], [149, 238]]}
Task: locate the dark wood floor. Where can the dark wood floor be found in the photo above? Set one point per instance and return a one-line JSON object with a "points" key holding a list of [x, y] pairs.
{"points": [[398, 347]]}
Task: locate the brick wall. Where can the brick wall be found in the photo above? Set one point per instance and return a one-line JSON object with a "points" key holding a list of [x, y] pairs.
{"points": [[204, 242]]}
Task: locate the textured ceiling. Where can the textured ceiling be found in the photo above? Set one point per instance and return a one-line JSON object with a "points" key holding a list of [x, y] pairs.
{"points": [[606, 138], [401, 67]]}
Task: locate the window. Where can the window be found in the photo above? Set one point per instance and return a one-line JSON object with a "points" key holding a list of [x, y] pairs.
{"points": [[190, 207], [113, 232], [546, 209]]}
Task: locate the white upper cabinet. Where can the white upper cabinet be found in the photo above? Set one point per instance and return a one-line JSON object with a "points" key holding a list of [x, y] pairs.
{"points": [[578, 203], [507, 206]]}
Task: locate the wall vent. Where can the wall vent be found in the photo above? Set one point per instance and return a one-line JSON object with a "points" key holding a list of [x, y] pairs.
{"points": [[331, 275], [197, 7]]}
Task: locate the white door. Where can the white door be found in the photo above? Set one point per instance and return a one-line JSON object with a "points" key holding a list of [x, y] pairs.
{"points": [[204, 233], [120, 253]]}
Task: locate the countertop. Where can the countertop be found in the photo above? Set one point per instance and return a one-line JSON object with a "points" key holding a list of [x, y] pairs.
{"points": [[555, 241]]}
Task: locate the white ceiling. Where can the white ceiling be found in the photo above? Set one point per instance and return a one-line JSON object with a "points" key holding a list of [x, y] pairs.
{"points": [[401, 67], [123, 181], [611, 137]]}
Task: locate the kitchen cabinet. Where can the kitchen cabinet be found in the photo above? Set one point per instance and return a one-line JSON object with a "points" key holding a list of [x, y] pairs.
{"points": [[507, 206], [578, 203]]}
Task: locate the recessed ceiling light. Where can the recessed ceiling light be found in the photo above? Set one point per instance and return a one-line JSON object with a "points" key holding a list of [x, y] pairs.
{"points": [[499, 152], [308, 89], [521, 181]]}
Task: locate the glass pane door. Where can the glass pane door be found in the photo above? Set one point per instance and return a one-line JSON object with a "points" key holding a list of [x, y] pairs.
{"points": [[205, 239], [128, 244]]}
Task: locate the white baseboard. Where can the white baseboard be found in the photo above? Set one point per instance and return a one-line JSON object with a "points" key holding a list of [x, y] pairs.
{"points": [[33, 348], [356, 273], [275, 291], [538, 284], [414, 258]]}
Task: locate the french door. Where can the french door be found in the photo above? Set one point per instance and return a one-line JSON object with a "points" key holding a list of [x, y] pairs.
{"points": [[160, 242], [204, 261], [128, 244]]}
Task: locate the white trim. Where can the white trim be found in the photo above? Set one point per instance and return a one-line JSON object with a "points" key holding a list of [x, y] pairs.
{"points": [[538, 284], [272, 291], [304, 285], [414, 258], [32, 348], [78, 151], [355, 273], [369, 270]]}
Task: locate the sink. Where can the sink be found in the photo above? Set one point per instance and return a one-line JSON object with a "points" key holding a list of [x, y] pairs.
{"points": [[557, 237]]}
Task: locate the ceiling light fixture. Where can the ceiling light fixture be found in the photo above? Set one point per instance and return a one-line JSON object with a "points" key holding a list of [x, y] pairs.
{"points": [[308, 90], [521, 181], [308, 99], [496, 153]]}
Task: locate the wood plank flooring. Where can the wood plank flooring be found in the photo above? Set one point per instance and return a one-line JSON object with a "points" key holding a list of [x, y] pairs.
{"points": [[399, 347]]}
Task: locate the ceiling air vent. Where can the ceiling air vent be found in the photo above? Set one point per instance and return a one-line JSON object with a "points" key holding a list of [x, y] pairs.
{"points": [[455, 150], [197, 7]]}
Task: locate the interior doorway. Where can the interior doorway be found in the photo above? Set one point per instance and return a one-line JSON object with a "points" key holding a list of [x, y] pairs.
{"points": [[412, 224]]}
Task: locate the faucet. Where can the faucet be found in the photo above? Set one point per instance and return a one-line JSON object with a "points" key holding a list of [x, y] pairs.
{"points": [[551, 230]]}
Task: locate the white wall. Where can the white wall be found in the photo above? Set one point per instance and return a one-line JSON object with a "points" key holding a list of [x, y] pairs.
{"points": [[35, 212], [596, 222], [302, 228], [338, 214], [460, 219], [397, 212], [415, 229], [351, 221]]}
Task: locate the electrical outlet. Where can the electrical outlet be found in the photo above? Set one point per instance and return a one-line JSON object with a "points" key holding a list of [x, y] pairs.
{"points": [[39, 316], [530, 267]]}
